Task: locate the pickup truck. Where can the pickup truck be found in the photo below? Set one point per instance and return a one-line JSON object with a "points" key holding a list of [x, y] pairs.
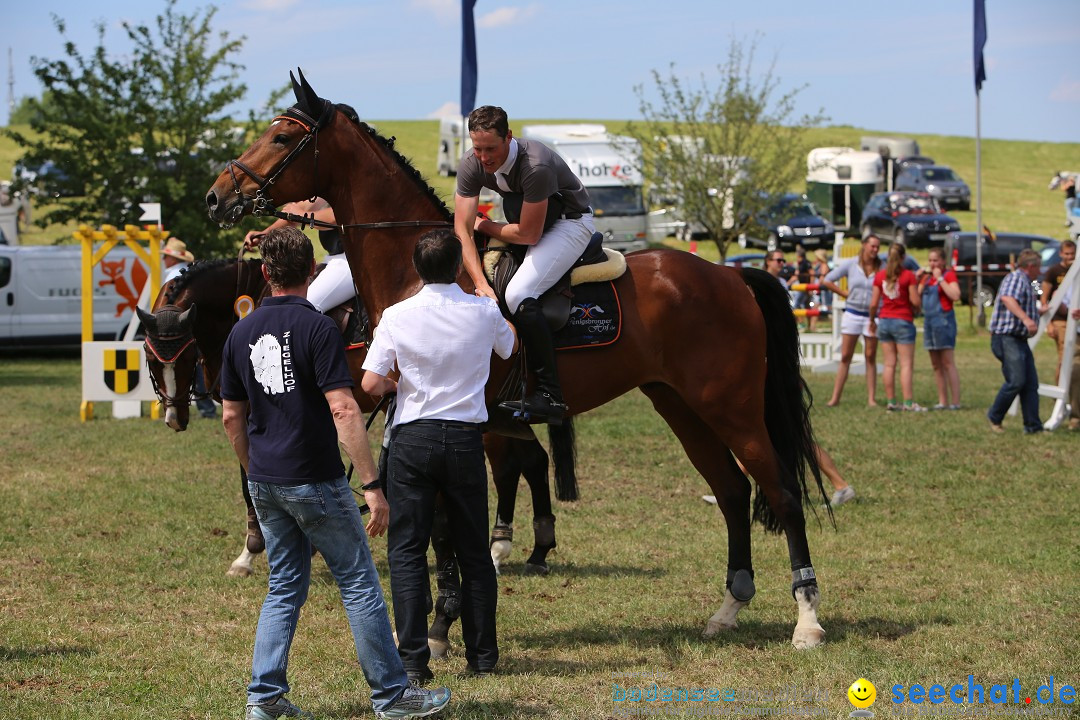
{"points": [[999, 251]]}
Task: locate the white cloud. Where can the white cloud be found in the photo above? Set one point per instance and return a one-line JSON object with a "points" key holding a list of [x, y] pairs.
{"points": [[1067, 91], [268, 5], [507, 16], [443, 9], [449, 109]]}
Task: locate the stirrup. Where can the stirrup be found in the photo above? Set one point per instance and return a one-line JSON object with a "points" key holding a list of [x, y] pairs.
{"points": [[551, 414]]}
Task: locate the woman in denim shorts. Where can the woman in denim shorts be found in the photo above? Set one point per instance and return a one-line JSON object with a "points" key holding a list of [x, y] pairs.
{"points": [[939, 289], [894, 322]]}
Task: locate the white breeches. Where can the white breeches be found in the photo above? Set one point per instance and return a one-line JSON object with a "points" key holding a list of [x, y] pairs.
{"points": [[548, 260], [333, 286]]}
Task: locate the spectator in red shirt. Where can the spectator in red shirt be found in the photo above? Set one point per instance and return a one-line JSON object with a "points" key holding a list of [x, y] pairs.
{"points": [[896, 289], [939, 289]]}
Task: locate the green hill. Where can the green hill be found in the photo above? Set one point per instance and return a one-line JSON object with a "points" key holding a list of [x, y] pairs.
{"points": [[1015, 173]]}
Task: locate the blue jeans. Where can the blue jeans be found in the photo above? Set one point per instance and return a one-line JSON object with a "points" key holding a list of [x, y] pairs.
{"points": [[428, 457], [293, 517], [1018, 367], [895, 330]]}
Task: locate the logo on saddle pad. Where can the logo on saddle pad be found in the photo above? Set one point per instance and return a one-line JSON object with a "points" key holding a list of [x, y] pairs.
{"points": [[271, 362], [588, 316]]}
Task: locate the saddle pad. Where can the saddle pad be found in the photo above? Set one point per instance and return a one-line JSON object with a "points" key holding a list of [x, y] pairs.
{"points": [[595, 318]]}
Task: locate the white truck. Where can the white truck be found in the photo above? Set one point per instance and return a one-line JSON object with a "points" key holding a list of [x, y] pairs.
{"points": [[41, 295], [610, 169]]}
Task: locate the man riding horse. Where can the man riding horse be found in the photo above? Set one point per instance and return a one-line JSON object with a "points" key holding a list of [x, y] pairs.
{"points": [[554, 221]]}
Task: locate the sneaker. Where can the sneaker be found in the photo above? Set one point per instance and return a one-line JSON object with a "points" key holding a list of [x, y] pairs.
{"points": [[939, 406], [278, 709], [842, 496], [954, 407], [471, 671], [1074, 424], [914, 407], [995, 427], [415, 702], [892, 407]]}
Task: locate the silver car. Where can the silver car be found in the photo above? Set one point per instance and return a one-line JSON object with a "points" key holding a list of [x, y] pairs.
{"points": [[937, 180]]}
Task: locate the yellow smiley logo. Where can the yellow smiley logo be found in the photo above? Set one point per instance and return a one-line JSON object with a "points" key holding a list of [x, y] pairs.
{"points": [[862, 693]]}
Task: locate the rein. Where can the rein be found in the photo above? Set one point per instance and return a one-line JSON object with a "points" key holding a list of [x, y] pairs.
{"points": [[261, 203]]}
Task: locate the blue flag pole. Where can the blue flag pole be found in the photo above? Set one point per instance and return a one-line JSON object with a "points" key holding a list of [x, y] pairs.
{"points": [[980, 77], [468, 57]]}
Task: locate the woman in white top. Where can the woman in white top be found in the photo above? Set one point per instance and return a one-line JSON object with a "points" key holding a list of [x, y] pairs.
{"points": [[859, 272]]}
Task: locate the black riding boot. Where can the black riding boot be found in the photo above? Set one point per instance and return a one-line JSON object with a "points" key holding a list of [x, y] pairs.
{"points": [[545, 404]]}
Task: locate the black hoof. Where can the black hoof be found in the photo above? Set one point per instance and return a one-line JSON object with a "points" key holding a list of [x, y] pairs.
{"points": [[534, 569]]}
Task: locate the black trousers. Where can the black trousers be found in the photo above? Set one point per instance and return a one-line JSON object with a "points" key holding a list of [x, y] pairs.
{"points": [[428, 457]]}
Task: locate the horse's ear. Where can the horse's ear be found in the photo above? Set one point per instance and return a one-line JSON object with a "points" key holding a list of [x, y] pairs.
{"points": [[310, 98], [149, 320], [187, 317], [297, 90]]}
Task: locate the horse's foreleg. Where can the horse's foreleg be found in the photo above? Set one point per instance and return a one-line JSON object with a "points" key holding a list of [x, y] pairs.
{"points": [[243, 566], [448, 582], [505, 469], [534, 466], [732, 490]]}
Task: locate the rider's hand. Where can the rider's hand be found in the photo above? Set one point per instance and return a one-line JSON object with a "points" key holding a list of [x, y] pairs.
{"points": [[484, 290], [380, 512], [251, 240]]}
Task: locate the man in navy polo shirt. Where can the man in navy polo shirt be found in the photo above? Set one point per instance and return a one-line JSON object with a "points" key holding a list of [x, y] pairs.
{"points": [[287, 399]]}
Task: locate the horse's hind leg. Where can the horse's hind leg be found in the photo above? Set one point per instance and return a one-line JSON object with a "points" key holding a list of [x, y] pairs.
{"points": [[448, 581], [242, 566], [766, 469], [732, 491]]}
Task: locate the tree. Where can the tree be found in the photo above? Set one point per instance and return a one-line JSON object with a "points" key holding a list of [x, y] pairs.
{"points": [[149, 126], [722, 154]]}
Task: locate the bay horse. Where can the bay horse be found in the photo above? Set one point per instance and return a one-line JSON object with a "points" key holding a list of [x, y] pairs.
{"points": [[715, 350], [209, 292]]}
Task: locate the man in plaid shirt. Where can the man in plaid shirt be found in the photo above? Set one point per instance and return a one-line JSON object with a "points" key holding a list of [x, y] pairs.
{"points": [[1015, 319]]}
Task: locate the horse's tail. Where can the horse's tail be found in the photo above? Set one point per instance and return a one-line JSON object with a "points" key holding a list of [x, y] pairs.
{"points": [[564, 457], [787, 398]]}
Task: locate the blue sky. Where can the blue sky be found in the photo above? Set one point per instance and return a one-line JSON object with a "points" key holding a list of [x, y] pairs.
{"points": [[888, 67]]}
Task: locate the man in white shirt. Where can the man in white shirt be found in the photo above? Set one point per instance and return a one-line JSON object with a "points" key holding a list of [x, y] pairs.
{"points": [[440, 343]]}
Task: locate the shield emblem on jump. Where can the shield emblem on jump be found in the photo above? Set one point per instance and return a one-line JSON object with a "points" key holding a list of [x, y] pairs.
{"points": [[122, 370]]}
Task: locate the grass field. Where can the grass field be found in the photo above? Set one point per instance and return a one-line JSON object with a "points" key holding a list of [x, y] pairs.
{"points": [[957, 559]]}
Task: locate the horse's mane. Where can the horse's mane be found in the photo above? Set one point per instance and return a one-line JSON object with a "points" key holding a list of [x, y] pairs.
{"points": [[191, 273], [404, 162]]}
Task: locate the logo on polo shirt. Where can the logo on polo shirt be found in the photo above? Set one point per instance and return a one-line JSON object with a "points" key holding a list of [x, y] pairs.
{"points": [[266, 360]]}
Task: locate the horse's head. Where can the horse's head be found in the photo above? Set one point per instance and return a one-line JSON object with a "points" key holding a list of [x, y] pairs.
{"points": [[172, 359], [257, 182]]}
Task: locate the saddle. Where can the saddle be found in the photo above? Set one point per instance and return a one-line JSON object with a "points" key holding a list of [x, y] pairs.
{"points": [[351, 319], [596, 264]]}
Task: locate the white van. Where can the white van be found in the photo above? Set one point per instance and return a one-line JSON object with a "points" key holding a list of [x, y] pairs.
{"points": [[41, 295], [610, 169]]}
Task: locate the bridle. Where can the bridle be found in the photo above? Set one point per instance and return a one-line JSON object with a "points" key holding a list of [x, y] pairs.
{"points": [[167, 349], [262, 204]]}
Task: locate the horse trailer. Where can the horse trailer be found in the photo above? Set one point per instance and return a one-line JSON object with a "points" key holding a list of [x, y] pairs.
{"points": [[890, 149], [840, 180]]}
